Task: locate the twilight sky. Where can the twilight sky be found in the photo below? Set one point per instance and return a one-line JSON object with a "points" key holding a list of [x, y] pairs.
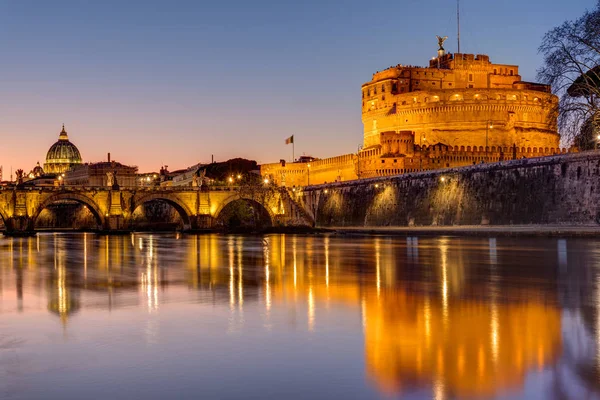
{"points": [[173, 81]]}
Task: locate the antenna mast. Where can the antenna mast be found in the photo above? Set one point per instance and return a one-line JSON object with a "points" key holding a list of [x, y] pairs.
{"points": [[458, 23]]}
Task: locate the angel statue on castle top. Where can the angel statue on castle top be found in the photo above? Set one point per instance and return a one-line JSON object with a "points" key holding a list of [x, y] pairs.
{"points": [[441, 41]]}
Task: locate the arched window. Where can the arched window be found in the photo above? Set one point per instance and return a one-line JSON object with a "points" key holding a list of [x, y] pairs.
{"points": [[382, 88]]}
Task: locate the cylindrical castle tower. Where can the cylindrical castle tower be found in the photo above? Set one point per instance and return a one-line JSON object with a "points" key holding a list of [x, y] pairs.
{"points": [[459, 100]]}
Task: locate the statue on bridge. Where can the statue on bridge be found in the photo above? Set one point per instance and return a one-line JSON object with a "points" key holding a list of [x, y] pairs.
{"points": [[20, 173], [200, 178], [111, 180]]}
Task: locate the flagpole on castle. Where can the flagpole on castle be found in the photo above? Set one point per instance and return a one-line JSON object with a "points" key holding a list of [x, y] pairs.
{"points": [[293, 149]]}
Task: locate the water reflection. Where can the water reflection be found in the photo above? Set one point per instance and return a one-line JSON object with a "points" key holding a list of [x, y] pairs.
{"points": [[438, 317]]}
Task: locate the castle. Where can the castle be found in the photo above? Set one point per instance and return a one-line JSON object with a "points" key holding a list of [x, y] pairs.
{"points": [[460, 110]]}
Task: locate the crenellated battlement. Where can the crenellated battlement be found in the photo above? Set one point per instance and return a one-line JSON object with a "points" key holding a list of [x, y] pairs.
{"points": [[455, 98]]}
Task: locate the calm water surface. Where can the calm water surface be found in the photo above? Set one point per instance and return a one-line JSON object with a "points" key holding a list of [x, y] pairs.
{"points": [[281, 316]]}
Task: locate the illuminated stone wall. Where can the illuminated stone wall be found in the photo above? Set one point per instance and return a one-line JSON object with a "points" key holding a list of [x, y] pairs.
{"points": [[461, 110], [464, 100], [335, 169], [550, 190]]}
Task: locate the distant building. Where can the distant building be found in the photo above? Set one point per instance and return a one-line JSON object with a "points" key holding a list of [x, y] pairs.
{"points": [[98, 174], [460, 110], [183, 177], [148, 179], [62, 156]]}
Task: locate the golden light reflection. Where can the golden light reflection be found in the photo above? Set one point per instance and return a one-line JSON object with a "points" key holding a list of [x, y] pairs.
{"points": [[378, 264], [426, 332], [444, 258], [311, 309], [149, 278], [85, 256], [400, 347], [327, 261], [267, 280], [295, 252], [230, 251], [239, 249]]}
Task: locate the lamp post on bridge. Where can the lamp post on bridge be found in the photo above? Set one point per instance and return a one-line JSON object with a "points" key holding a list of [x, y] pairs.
{"points": [[308, 174]]}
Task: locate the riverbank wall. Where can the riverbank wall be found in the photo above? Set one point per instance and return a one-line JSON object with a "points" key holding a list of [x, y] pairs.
{"points": [[563, 189]]}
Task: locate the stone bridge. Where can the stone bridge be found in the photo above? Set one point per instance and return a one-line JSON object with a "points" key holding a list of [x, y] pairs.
{"points": [[113, 209]]}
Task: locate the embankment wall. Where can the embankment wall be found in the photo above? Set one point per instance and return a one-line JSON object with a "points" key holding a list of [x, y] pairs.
{"points": [[563, 189]]}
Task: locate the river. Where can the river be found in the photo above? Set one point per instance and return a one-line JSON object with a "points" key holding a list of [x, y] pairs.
{"points": [[157, 316]]}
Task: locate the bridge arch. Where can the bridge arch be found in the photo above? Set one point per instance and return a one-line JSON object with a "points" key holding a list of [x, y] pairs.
{"points": [[81, 199], [173, 200], [236, 206], [3, 216]]}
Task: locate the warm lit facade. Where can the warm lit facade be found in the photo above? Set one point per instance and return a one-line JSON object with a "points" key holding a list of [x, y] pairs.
{"points": [[62, 156], [96, 174], [460, 110], [459, 100]]}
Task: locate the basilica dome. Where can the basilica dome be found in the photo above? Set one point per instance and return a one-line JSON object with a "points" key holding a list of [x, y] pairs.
{"points": [[62, 155]]}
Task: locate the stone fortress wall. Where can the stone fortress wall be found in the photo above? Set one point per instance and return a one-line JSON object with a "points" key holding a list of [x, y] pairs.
{"points": [[461, 110], [373, 163], [557, 190], [459, 103]]}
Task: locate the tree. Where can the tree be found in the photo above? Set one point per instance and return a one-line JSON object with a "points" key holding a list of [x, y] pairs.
{"points": [[572, 66]]}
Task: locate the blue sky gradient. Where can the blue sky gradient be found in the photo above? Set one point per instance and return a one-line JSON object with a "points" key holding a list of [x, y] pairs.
{"points": [[172, 82]]}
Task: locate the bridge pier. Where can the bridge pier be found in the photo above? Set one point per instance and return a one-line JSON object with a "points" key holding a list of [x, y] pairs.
{"points": [[201, 222], [19, 226], [115, 224]]}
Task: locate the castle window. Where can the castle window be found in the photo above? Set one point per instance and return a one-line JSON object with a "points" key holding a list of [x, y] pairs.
{"points": [[368, 92], [382, 89], [375, 90], [416, 82], [495, 71], [383, 161], [382, 97], [511, 72], [470, 77], [394, 87], [450, 84], [470, 86]]}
